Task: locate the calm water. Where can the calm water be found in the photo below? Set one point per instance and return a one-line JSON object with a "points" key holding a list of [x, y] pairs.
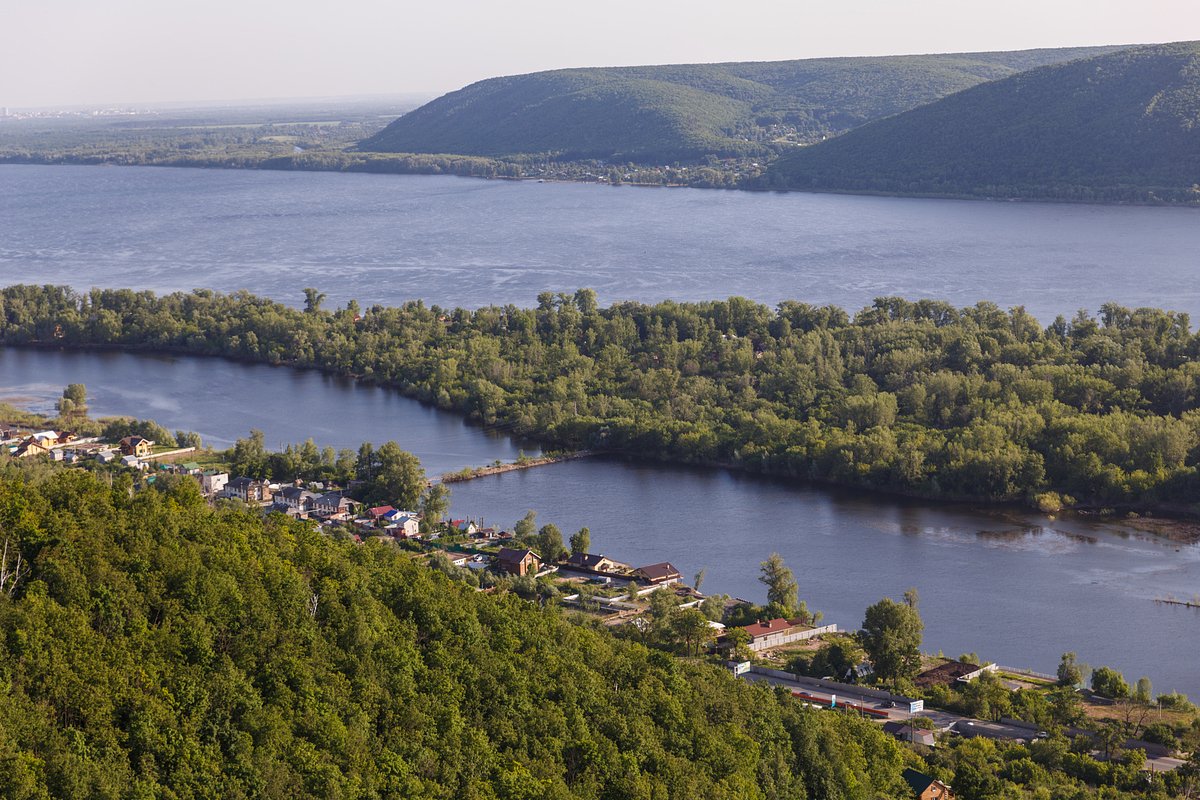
{"points": [[222, 400], [1018, 589], [457, 241]]}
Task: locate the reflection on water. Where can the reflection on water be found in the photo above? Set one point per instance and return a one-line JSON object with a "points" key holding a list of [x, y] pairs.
{"points": [[223, 400]]}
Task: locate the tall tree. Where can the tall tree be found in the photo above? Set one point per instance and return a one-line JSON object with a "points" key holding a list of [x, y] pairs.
{"points": [[782, 589], [364, 465], [1070, 673], [1107, 682], [891, 635], [250, 455], [399, 478], [73, 401], [526, 526], [550, 543], [581, 541], [313, 300], [691, 627], [435, 504]]}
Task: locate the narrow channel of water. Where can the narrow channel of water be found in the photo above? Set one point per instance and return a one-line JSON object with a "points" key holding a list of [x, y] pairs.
{"points": [[222, 400]]}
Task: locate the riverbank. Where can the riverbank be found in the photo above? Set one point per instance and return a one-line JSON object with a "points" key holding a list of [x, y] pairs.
{"points": [[405, 164], [532, 170]]}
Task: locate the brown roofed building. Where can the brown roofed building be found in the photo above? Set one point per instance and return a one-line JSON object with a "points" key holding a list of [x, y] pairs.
{"points": [[776, 632], [518, 562], [656, 574], [596, 563], [927, 788], [136, 446], [249, 490]]}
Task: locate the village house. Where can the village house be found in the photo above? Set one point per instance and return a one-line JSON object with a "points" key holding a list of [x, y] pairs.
{"points": [[518, 562], [597, 563], [379, 512], [335, 504], [297, 499], [212, 481], [926, 788], [405, 526], [46, 439], [137, 446], [658, 574], [766, 634], [30, 446], [249, 490], [464, 526]]}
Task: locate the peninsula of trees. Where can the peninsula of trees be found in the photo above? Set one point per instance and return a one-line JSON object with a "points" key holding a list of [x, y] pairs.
{"points": [[921, 398], [1117, 126]]}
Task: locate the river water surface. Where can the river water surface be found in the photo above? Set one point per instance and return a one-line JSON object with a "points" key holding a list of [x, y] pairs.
{"points": [[470, 242], [1017, 588]]}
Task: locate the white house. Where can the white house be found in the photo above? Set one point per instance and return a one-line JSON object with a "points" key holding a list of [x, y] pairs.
{"points": [[212, 481]]}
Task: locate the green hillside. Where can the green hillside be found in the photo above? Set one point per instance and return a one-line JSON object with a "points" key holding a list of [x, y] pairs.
{"points": [[156, 647], [687, 111], [1118, 126]]}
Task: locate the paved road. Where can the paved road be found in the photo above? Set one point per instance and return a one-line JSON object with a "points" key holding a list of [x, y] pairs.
{"points": [[811, 687], [1164, 764]]}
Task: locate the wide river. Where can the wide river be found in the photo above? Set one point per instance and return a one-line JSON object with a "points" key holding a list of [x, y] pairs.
{"points": [[1017, 588], [468, 242]]}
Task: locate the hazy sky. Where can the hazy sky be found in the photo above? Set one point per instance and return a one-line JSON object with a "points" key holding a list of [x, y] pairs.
{"points": [[57, 52]]}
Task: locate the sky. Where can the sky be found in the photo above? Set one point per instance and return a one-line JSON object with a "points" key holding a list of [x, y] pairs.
{"points": [[98, 52]]}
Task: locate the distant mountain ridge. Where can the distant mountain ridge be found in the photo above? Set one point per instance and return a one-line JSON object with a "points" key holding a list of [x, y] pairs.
{"points": [[1117, 126], [658, 114]]}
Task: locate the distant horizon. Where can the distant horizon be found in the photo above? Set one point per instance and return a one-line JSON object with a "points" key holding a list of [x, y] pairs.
{"points": [[135, 52], [232, 102], [409, 95]]}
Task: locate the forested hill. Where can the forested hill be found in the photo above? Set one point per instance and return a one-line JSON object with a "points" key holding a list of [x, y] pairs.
{"points": [[1118, 126], [155, 647], [687, 111]]}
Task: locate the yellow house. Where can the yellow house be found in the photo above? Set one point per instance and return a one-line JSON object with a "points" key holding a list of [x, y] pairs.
{"points": [[136, 446], [31, 447]]}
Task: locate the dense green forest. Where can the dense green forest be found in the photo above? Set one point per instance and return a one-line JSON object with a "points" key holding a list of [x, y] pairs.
{"points": [[153, 646], [684, 112], [1119, 126], [922, 398]]}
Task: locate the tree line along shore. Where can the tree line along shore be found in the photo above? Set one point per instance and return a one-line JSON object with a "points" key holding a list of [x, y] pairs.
{"points": [[923, 398]]}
